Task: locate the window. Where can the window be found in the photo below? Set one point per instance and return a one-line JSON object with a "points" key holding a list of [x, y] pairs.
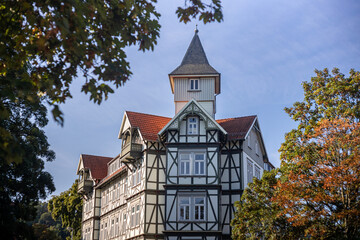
{"points": [[102, 232], [199, 163], [184, 208], [192, 163], [199, 203], [249, 140], [117, 227], [193, 125], [184, 164], [137, 215], [136, 176], [112, 228], [253, 170], [249, 171], [257, 147], [125, 186], [191, 208], [257, 172], [194, 84], [124, 223], [132, 219]]}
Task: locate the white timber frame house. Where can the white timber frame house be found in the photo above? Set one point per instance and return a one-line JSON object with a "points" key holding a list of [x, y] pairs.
{"points": [[174, 178]]}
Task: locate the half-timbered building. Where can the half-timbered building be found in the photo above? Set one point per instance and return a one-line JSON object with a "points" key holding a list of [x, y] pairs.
{"points": [[174, 178]]}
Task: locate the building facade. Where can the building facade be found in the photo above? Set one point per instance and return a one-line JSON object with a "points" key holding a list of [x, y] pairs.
{"points": [[175, 178]]}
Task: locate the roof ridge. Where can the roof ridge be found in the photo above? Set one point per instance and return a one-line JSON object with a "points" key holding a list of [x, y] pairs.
{"points": [[147, 114], [83, 154], [236, 117]]}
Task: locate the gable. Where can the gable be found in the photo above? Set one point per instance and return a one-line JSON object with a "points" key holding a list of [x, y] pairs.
{"points": [[147, 124], [97, 165], [192, 108], [237, 128]]}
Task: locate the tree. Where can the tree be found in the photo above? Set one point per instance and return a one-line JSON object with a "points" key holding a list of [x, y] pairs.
{"points": [[23, 182], [258, 216], [68, 207], [317, 188], [45, 227], [322, 190], [45, 45], [44, 232], [59, 38]]}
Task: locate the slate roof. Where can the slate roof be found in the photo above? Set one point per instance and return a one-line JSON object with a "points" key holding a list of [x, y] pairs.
{"points": [[195, 60], [97, 165], [148, 124], [237, 128]]}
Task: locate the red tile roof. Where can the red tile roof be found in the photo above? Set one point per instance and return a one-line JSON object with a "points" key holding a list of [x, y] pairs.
{"points": [[97, 165], [148, 124], [236, 127], [106, 179]]}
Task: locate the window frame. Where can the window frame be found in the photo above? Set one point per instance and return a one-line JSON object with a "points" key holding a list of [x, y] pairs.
{"points": [[194, 84], [195, 210], [193, 125], [192, 162]]}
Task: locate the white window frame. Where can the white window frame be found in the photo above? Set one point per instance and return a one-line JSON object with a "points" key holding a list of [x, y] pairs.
{"points": [[249, 140], [257, 147], [194, 84], [196, 211], [193, 127], [135, 215], [191, 166]]}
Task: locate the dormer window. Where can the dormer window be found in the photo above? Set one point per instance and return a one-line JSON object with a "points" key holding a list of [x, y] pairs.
{"points": [[194, 85], [193, 125]]}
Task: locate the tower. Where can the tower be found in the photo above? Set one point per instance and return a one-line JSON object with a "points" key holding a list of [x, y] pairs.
{"points": [[195, 79]]}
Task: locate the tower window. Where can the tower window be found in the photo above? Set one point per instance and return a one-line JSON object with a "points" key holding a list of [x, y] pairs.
{"points": [[193, 125], [194, 84]]}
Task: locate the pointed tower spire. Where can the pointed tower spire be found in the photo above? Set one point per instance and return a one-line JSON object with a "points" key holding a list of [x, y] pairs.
{"points": [[195, 79], [195, 60]]}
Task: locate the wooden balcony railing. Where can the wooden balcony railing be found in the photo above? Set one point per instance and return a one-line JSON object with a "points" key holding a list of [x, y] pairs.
{"points": [[85, 186], [131, 151]]}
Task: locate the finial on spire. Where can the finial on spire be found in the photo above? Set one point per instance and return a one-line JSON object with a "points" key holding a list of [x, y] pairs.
{"points": [[196, 29]]}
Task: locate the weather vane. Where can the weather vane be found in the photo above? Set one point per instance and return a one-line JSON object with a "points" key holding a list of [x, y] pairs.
{"points": [[196, 29]]}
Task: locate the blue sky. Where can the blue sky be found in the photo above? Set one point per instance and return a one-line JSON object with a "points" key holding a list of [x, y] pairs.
{"points": [[263, 49]]}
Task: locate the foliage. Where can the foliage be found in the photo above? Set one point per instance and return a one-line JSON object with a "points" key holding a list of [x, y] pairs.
{"points": [[23, 181], [58, 38], [68, 207], [44, 232], [318, 183], [45, 226], [44, 45], [208, 12], [258, 216], [322, 190]]}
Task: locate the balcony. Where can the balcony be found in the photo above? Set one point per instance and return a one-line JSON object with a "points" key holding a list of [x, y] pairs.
{"points": [[85, 186], [131, 152]]}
